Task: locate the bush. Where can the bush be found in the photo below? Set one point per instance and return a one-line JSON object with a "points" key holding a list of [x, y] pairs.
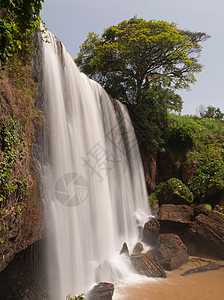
{"points": [[174, 191], [209, 179]]}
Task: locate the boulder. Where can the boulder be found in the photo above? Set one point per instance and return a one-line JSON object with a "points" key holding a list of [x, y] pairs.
{"points": [[171, 251], [148, 265], [101, 291], [150, 232], [208, 234], [138, 248], [175, 219], [176, 213]]}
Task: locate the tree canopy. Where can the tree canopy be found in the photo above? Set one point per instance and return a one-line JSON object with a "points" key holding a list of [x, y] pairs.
{"points": [[132, 57], [143, 63], [18, 19]]}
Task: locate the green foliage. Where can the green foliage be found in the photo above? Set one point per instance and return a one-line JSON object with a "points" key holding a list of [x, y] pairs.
{"points": [[18, 20], [174, 191], [150, 118], [179, 139], [135, 55], [12, 150], [76, 297], [197, 132], [209, 177]]}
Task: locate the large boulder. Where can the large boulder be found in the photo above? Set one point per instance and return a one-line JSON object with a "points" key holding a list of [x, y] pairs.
{"points": [[176, 213], [147, 264], [208, 234], [175, 219], [101, 291], [171, 251], [150, 232]]}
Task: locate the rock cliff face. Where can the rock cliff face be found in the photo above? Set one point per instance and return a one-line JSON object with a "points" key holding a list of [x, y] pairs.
{"points": [[21, 209], [22, 228], [162, 166]]}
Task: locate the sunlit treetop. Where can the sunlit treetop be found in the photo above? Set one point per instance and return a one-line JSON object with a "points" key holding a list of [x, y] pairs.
{"points": [[136, 55]]}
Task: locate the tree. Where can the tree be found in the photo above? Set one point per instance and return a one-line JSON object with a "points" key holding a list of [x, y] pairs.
{"points": [[132, 57], [18, 19], [210, 112]]}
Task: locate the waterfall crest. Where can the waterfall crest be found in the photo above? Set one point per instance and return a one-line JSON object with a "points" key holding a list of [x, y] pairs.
{"points": [[93, 180]]}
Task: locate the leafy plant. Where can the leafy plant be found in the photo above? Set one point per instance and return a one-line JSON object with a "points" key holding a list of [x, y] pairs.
{"points": [[18, 20], [76, 297]]}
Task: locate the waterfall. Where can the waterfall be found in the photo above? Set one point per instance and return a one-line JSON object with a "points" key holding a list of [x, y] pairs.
{"points": [[93, 180]]}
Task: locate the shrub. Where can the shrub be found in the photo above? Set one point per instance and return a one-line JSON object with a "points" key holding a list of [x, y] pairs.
{"points": [[174, 191]]}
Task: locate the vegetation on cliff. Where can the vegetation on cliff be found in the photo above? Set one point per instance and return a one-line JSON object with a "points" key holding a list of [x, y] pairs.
{"points": [[18, 118], [18, 20], [196, 145]]}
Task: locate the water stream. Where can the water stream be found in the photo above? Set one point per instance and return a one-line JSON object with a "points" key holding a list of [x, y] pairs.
{"points": [[93, 181]]}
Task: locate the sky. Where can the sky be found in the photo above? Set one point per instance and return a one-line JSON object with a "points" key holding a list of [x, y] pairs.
{"points": [[71, 20]]}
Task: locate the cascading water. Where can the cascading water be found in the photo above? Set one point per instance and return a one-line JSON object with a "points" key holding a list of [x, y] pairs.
{"points": [[93, 182]]}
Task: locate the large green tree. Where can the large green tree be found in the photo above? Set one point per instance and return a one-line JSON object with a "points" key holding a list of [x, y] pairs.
{"points": [[143, 63], [136, 55]]}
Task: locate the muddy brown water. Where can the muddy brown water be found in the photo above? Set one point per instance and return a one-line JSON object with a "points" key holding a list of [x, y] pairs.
{"points": [[207, 285]]}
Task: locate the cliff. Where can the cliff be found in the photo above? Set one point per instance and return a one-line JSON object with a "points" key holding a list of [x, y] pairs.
{"points": [[21, 211]]}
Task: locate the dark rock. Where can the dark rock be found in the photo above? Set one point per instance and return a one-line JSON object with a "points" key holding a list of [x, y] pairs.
{"points": [[208, 234], [171, 251], [189, 169], [176, 213], [101, 291], [124, 249], [149, 162], [175, 219], [150, 232], [167, 168], [148, 265], [138, 248]]}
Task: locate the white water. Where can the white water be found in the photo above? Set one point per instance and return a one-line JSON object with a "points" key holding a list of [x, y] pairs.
{"points": [[93, 182]]}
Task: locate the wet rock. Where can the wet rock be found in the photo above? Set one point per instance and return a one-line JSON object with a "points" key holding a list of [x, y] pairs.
{"points": [[124, 249], [171, 251], [205, 268], [208, 234], [101, 291], [150, 232], [147, 264], [138, 248]]}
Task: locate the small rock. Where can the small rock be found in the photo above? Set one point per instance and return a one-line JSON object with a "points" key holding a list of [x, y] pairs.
{"points": [[124, 249], [150, 232], [101, 291], [138, 248]]}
